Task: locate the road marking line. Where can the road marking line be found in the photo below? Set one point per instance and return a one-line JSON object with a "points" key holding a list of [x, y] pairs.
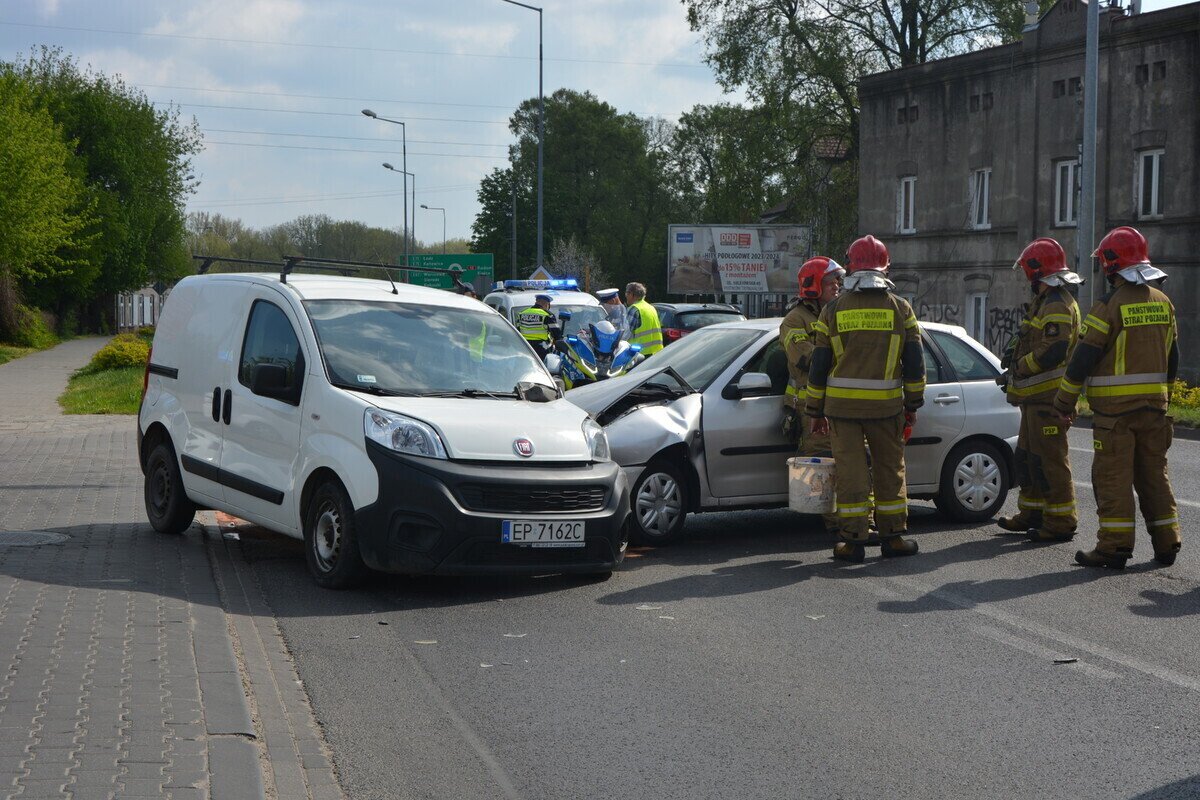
{"points": [[1043, 653], [1029, 626]]}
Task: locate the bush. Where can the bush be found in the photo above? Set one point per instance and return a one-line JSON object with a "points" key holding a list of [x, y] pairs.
{"points": [[32, 329], [126, 350], [1184, 396]]}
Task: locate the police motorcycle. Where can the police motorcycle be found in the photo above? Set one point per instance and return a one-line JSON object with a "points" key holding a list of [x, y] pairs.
{"points": [[599, 354]]}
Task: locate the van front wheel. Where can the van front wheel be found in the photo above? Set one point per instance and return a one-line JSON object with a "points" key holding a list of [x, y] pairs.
{"points": [[167, 505], [331, 539]]}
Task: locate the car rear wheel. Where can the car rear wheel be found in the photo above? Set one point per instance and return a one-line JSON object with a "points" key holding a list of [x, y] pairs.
{"points": [[331, 539], [974, 482], [167, 505], [660, 504]]}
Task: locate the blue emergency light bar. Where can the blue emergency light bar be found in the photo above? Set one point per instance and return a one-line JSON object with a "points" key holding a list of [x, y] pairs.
{"points": [[566, 284]]}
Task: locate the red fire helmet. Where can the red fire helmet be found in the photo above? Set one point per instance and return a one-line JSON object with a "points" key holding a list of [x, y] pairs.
{"points": [[1041, 258], [813, 273], [1120, 248], [867, 253]]}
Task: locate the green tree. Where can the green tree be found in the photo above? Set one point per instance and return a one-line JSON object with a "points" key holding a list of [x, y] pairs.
{"points": [[136, 162], [42, 209], [605, 183]]}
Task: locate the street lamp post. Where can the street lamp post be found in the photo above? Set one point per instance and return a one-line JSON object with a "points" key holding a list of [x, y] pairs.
{"points": [[437, 208], [408, 175], [541, 126], [404, 168]]}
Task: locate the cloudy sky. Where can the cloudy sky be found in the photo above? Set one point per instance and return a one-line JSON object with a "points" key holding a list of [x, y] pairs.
{"points": [[277, 87]]}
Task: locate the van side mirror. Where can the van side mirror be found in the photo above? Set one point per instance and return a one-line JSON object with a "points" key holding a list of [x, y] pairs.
{"points": [[271, 380], [554, 363]]}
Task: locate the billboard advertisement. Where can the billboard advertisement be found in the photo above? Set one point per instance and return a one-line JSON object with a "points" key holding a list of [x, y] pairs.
{"points": [[477, 270], [735, 259]]}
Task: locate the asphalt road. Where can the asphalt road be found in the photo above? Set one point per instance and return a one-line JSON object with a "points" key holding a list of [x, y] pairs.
{"points": [[743, 662]]}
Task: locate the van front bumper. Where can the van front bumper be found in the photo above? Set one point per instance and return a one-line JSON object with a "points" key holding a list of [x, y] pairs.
{"points": [[445, 517]]}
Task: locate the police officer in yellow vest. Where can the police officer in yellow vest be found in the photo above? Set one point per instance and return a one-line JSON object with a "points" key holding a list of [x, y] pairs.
{"points": [[642, 325], [819, 283], [1127, 357], [1046, 504], [534, 324], [868, 378]]}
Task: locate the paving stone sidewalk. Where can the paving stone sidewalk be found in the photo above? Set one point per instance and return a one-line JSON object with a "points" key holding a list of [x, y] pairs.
{"points": [[132, 664]]}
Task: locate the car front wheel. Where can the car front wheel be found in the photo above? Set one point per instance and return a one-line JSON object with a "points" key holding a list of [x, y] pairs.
{"points": [[331, 539], [974, 482], [660, 504]]}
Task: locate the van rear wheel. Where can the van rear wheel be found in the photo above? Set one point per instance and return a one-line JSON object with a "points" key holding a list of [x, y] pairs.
{"points": [[167, 505], [331, 539]]}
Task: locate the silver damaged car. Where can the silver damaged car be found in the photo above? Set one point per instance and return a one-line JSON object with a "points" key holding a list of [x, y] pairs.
{"points": [[697, 427]]}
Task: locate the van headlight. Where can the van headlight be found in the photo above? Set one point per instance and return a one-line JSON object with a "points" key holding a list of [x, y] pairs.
{"points": [[402, 434], [597, 440]]}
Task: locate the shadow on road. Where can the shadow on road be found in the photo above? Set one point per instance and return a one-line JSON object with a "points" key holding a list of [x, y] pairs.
{"points": [[1162, 605], [1186, 789]]}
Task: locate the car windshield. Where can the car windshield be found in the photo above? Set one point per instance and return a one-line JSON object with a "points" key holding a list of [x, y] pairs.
{"points": [[692, 320], [581, 317], [704, 355], [400, 348]]}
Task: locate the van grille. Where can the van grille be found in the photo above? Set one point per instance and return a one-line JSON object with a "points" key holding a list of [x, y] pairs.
{"points": [[526, 500]]}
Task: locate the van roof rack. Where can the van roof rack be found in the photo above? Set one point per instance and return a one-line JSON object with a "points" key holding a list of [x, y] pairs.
{"points": [[341, 266]]}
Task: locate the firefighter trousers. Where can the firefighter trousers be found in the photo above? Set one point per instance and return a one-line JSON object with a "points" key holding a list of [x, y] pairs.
{"points": [[1047, 497], [1130, 454], [856, 472]]}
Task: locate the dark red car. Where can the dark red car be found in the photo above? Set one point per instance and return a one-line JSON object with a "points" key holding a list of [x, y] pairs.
{"points": [[680, 319]]}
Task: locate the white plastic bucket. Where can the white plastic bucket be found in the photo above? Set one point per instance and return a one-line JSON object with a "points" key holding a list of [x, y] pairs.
{"points": [[811, 485]]}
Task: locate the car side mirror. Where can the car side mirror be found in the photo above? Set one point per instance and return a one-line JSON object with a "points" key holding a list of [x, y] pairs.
{"points": [[271, 380], [751, 384], [554, 363]]}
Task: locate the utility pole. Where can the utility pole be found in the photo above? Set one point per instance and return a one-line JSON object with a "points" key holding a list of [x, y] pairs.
{"points": [[1085, 233], [514, 230]]}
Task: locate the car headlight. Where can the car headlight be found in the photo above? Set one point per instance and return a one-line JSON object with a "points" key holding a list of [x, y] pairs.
{"points": [[402, 434], [597, 440]]}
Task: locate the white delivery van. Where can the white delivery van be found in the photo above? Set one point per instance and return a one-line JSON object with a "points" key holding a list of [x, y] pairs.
{"points": [[397, 428]]}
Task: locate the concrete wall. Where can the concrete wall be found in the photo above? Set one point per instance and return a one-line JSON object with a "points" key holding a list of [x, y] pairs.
{"points": [[1029, 127]]}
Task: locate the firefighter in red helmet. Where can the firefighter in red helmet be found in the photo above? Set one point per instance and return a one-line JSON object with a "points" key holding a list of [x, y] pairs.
{"points": [[1034, 364], [819, 281], [866, 380], [1127, 357]]}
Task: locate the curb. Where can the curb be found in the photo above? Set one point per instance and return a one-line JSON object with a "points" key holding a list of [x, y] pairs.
{"points": [[289, 755]]}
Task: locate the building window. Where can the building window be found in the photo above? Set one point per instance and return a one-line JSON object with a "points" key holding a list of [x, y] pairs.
{"points": [[1066, 192], [901, 115], [977, 316], [1141, 74], [1160, 70], [1075, 86], [1150, 205], [974, 102], [906, 204], [987, 100], [912, 114], [981, 190], [1059, 89]]}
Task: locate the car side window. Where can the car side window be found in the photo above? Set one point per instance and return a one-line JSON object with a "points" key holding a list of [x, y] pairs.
{"points": [[933, 369], [771, 360], [968, 363], [270, 339]]}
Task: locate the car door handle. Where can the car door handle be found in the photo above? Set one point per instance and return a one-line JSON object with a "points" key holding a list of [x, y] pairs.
{"points": [[226, 407], [946, 399], [216, 404]]}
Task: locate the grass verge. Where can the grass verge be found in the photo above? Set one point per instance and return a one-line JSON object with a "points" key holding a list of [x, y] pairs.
{"points": [[1186, 416], [9, 352], [110, 391]]}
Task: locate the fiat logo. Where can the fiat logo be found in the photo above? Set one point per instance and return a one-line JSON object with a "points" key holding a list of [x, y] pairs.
{"points": [[523, 447]]}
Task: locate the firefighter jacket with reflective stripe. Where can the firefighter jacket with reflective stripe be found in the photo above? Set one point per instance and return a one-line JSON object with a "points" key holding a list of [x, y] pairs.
{"points": [[1127, 353], [867, 360], [796, 336], [533, 322], [1044, 344], [646, 331]]}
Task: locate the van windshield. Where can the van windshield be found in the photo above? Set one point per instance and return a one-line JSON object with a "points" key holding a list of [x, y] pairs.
{"points": [[399, 348]]}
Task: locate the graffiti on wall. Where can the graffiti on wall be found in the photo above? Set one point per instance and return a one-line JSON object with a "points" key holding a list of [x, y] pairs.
{"points": [[1002, 324], [942, 297], [945, 313]]}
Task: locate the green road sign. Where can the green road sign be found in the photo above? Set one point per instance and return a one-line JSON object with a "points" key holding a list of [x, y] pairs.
{"points": [[476, 267]]}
